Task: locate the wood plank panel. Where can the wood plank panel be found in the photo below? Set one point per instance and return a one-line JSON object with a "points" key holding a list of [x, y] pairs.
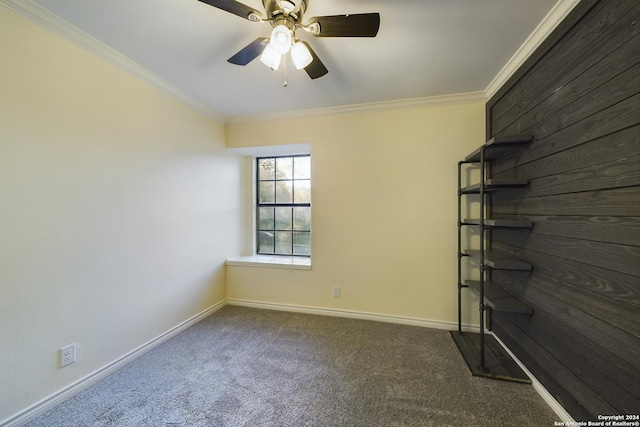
{"points": [[589, 403], [618, 314], [621, 343], [584, 10], [543, 368], [580, 80], [594, 365], [560, 61], [613, 119], [611, 287], [609, 148], [624, 172], [622, 258], [542, 124], [611, 229], [579, 95], [616, 202]]}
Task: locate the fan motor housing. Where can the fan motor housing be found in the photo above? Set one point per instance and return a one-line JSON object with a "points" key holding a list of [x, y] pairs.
{"points": [[273, 8]]}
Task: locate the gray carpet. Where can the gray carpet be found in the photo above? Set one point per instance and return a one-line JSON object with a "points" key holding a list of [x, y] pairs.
{"points": [[251, 367]]}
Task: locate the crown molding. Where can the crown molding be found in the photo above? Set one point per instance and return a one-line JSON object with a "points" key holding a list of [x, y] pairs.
{"points": [[539, 35], [41, 16], [47, 20], [459, 98]]}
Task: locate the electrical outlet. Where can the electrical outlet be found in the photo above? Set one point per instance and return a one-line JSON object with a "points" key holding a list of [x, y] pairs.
{"points": [[336, 292], [67, 355]]}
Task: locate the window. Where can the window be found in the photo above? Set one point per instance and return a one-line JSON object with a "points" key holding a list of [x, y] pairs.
{"points": [[283, 216]]}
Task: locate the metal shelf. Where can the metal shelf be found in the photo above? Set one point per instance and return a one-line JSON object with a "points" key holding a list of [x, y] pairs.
{"points": [[499, 223], [495, 184], [498, 260], [492, 296], [499, 299], [499, 146]]}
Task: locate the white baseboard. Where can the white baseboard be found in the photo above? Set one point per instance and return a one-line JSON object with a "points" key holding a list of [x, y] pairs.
{"points": [[49, 402], [412, 321], [562, 414]]}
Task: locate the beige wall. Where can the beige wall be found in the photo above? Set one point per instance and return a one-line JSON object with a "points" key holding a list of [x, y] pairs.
{"points": [[118, 206], [383, 211]]}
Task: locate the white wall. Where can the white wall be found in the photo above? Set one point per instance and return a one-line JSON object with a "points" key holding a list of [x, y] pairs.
{"points": [[384, 211], [118, 206]]}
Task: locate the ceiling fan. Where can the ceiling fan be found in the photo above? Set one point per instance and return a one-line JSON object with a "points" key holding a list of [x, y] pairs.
{"points": [[285, 16]]}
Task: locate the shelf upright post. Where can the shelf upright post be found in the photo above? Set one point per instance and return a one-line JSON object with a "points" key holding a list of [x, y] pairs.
{"points": [[482, 366], [460, 247]]}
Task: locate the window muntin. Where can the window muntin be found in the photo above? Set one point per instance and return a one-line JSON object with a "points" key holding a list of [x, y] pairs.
{"points": [[283, 213]]}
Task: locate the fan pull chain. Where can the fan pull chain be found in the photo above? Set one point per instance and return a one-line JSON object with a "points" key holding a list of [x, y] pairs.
{"points": [[284, 72]]}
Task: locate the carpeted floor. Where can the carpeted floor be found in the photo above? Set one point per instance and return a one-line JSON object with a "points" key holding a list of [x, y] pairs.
{"points": [[251, 367]]}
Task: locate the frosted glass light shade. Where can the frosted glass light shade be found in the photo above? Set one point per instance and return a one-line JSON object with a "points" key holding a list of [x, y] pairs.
{"points": [[300, 55], [271, 57], [281, 39]]}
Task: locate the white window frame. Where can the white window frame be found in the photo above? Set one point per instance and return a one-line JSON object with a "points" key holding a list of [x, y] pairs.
{"points": [[268, 261], [277, 205]]}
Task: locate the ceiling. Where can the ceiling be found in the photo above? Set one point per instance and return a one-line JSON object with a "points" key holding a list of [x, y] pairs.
{"points": [[424, 48]]}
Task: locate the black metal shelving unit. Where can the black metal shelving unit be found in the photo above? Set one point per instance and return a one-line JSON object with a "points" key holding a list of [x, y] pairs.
{"points": [[482, 353]]}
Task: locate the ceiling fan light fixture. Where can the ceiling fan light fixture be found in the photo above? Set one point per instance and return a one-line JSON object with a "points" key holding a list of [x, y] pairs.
{"points": [[281, 39], [300, 55], [271, 57], [285, 18]]}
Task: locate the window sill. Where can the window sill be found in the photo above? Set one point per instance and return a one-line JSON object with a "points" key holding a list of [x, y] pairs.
{"points": [[266, 261]]}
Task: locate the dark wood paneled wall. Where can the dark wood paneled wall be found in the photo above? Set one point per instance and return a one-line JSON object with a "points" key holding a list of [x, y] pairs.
{"points": [[579, 95]]}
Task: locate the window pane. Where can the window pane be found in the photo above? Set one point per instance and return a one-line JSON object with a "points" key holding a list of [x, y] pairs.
{"points": [[265, 242], [302, 167], [265, 218], [301, 243], [283, 242], [283, 187], [266, 169], [302, 219], [284, 168], [284, 192], [283, 218], [302, 191], [267, 192]]}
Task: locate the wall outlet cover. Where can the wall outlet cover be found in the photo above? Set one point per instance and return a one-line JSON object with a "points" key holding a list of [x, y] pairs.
{"points": [[67, 355]]}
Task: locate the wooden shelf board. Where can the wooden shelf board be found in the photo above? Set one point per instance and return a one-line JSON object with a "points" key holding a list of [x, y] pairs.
{"points": [[499, 146], [499, 365], [497, 223], [499, 261], [499, 299], [496, 184]]}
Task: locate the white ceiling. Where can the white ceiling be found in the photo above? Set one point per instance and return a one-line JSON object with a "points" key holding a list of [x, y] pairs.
{"points": [[424, 48]]}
